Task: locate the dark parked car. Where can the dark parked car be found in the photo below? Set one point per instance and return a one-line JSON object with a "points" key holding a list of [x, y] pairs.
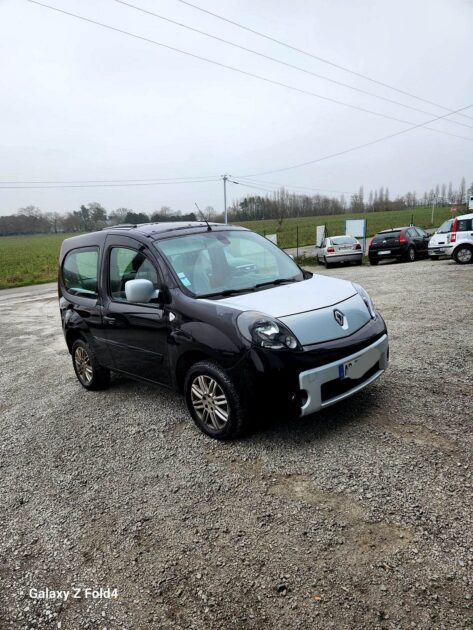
{"points": [[406, 243], [220, 314]]}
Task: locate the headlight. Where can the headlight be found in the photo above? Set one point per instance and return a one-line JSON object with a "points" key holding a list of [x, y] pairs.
{"points": [[366, 299], [265, 331]]}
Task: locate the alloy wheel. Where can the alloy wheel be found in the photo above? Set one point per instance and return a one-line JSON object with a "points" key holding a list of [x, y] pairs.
{"points": [[83, 365], [464, 255], [209, 402]]}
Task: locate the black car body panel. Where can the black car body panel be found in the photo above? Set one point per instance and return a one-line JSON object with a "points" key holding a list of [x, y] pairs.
{"points": [[158, 342], [396, 242]]}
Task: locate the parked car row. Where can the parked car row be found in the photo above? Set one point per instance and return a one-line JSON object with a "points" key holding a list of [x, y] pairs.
{"points": [[454, 239]]}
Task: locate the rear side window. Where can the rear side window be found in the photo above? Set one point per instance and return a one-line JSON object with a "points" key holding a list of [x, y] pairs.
{"points": [[79, 272], [463, 225]]}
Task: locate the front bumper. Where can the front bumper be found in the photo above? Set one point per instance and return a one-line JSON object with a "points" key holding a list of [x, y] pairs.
{"points": [[322, 386]]}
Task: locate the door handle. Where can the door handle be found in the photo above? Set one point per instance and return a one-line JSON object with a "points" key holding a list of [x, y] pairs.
{"points": [[109, 320]]}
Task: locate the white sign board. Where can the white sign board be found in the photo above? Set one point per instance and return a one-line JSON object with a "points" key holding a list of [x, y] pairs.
{"points": [[470, 202], [273, 238], [355, 228], [319, 235]]}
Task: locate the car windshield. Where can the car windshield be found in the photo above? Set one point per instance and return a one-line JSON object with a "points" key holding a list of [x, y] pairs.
{"points": [[445, 227], [224, 262]]}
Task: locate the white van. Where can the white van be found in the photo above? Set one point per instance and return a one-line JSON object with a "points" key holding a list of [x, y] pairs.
{"points": [[454, 238]]}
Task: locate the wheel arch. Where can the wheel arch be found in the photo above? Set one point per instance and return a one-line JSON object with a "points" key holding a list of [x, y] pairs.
{"points": [[72, 335], [462, 244], [185, 361]]}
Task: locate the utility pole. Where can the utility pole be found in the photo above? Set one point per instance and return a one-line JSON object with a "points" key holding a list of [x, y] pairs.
{"points": [[433, 209], [225, 179]]}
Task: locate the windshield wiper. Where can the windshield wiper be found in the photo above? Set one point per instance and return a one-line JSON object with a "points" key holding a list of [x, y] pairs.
{"points": [[277, 281], [226, 292]]}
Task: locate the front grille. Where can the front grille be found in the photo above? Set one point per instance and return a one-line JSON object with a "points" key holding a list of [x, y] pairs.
{"points": [[338, 386]]}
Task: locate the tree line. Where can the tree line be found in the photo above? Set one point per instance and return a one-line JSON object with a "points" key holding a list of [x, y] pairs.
{"points": [[283, 204], [90, 217], [278, 205]]}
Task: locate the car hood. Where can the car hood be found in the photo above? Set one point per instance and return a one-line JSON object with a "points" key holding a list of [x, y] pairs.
{"points": [[297, 297], [307, 307]]}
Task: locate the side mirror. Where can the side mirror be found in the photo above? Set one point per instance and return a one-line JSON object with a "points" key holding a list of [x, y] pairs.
{"points": [[140, 291]]}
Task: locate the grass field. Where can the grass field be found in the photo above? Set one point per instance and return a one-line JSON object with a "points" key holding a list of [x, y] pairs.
{"points": [[28, 260], [335, 224]]}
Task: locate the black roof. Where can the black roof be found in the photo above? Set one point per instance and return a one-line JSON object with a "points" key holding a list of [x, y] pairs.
{"points": [[145, 232], [156, 230]]}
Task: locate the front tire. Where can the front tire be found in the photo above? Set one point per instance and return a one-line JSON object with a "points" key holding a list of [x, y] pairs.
{"points": [[90, 374], [373, 261], [463, 255], [214, 402]]}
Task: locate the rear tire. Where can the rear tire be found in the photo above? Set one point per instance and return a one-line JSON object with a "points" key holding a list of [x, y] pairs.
{"points": [[411, 254], [359, 262], [90, 374], [214, 402], [327, 264], [463, 255]]}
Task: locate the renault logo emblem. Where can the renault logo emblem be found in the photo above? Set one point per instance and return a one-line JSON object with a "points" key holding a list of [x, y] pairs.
{"points": [[339, 317]]}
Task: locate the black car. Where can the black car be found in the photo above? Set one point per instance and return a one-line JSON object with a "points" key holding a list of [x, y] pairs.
{"points": [[220, 314], [406, 243]]}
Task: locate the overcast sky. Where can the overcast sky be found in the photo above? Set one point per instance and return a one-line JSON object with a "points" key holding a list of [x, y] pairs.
{"points": [[80, 102]]}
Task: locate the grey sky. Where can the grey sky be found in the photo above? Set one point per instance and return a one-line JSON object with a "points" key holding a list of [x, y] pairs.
{"points": [[83, 103]]}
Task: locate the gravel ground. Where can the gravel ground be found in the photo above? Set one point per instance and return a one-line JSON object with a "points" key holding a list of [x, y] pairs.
{"points": [[359, 517]]}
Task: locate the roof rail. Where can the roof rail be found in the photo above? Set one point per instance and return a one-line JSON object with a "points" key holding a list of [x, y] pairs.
{"points": [[120, 226]]}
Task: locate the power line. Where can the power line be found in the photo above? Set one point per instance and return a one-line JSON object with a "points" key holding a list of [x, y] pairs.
{"points": [[318, 58], [255, 187], [149, 180], [244, 72], [355, 148], [296, 187], [284, 63], [50, 187]]}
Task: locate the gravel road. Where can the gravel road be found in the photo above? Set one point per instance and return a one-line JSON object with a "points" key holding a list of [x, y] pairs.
{"points": [[359, 517]]}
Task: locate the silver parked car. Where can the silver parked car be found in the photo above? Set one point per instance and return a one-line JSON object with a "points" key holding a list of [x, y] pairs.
{"points": [[338, 249]]}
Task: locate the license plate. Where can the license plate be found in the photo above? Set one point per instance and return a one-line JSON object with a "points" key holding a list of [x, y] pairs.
{"points": [[345, 369], [355, 368], [384, 252]]}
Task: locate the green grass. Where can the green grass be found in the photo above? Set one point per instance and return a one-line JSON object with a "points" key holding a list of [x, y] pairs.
{"points": [[28, 260], [335, 224]]}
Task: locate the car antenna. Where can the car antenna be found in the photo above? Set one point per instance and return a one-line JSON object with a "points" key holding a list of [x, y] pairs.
{"points": [[209, 229]]}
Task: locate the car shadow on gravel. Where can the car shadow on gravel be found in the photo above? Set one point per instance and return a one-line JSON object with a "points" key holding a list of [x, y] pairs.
{"points": [[317, 426]]}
